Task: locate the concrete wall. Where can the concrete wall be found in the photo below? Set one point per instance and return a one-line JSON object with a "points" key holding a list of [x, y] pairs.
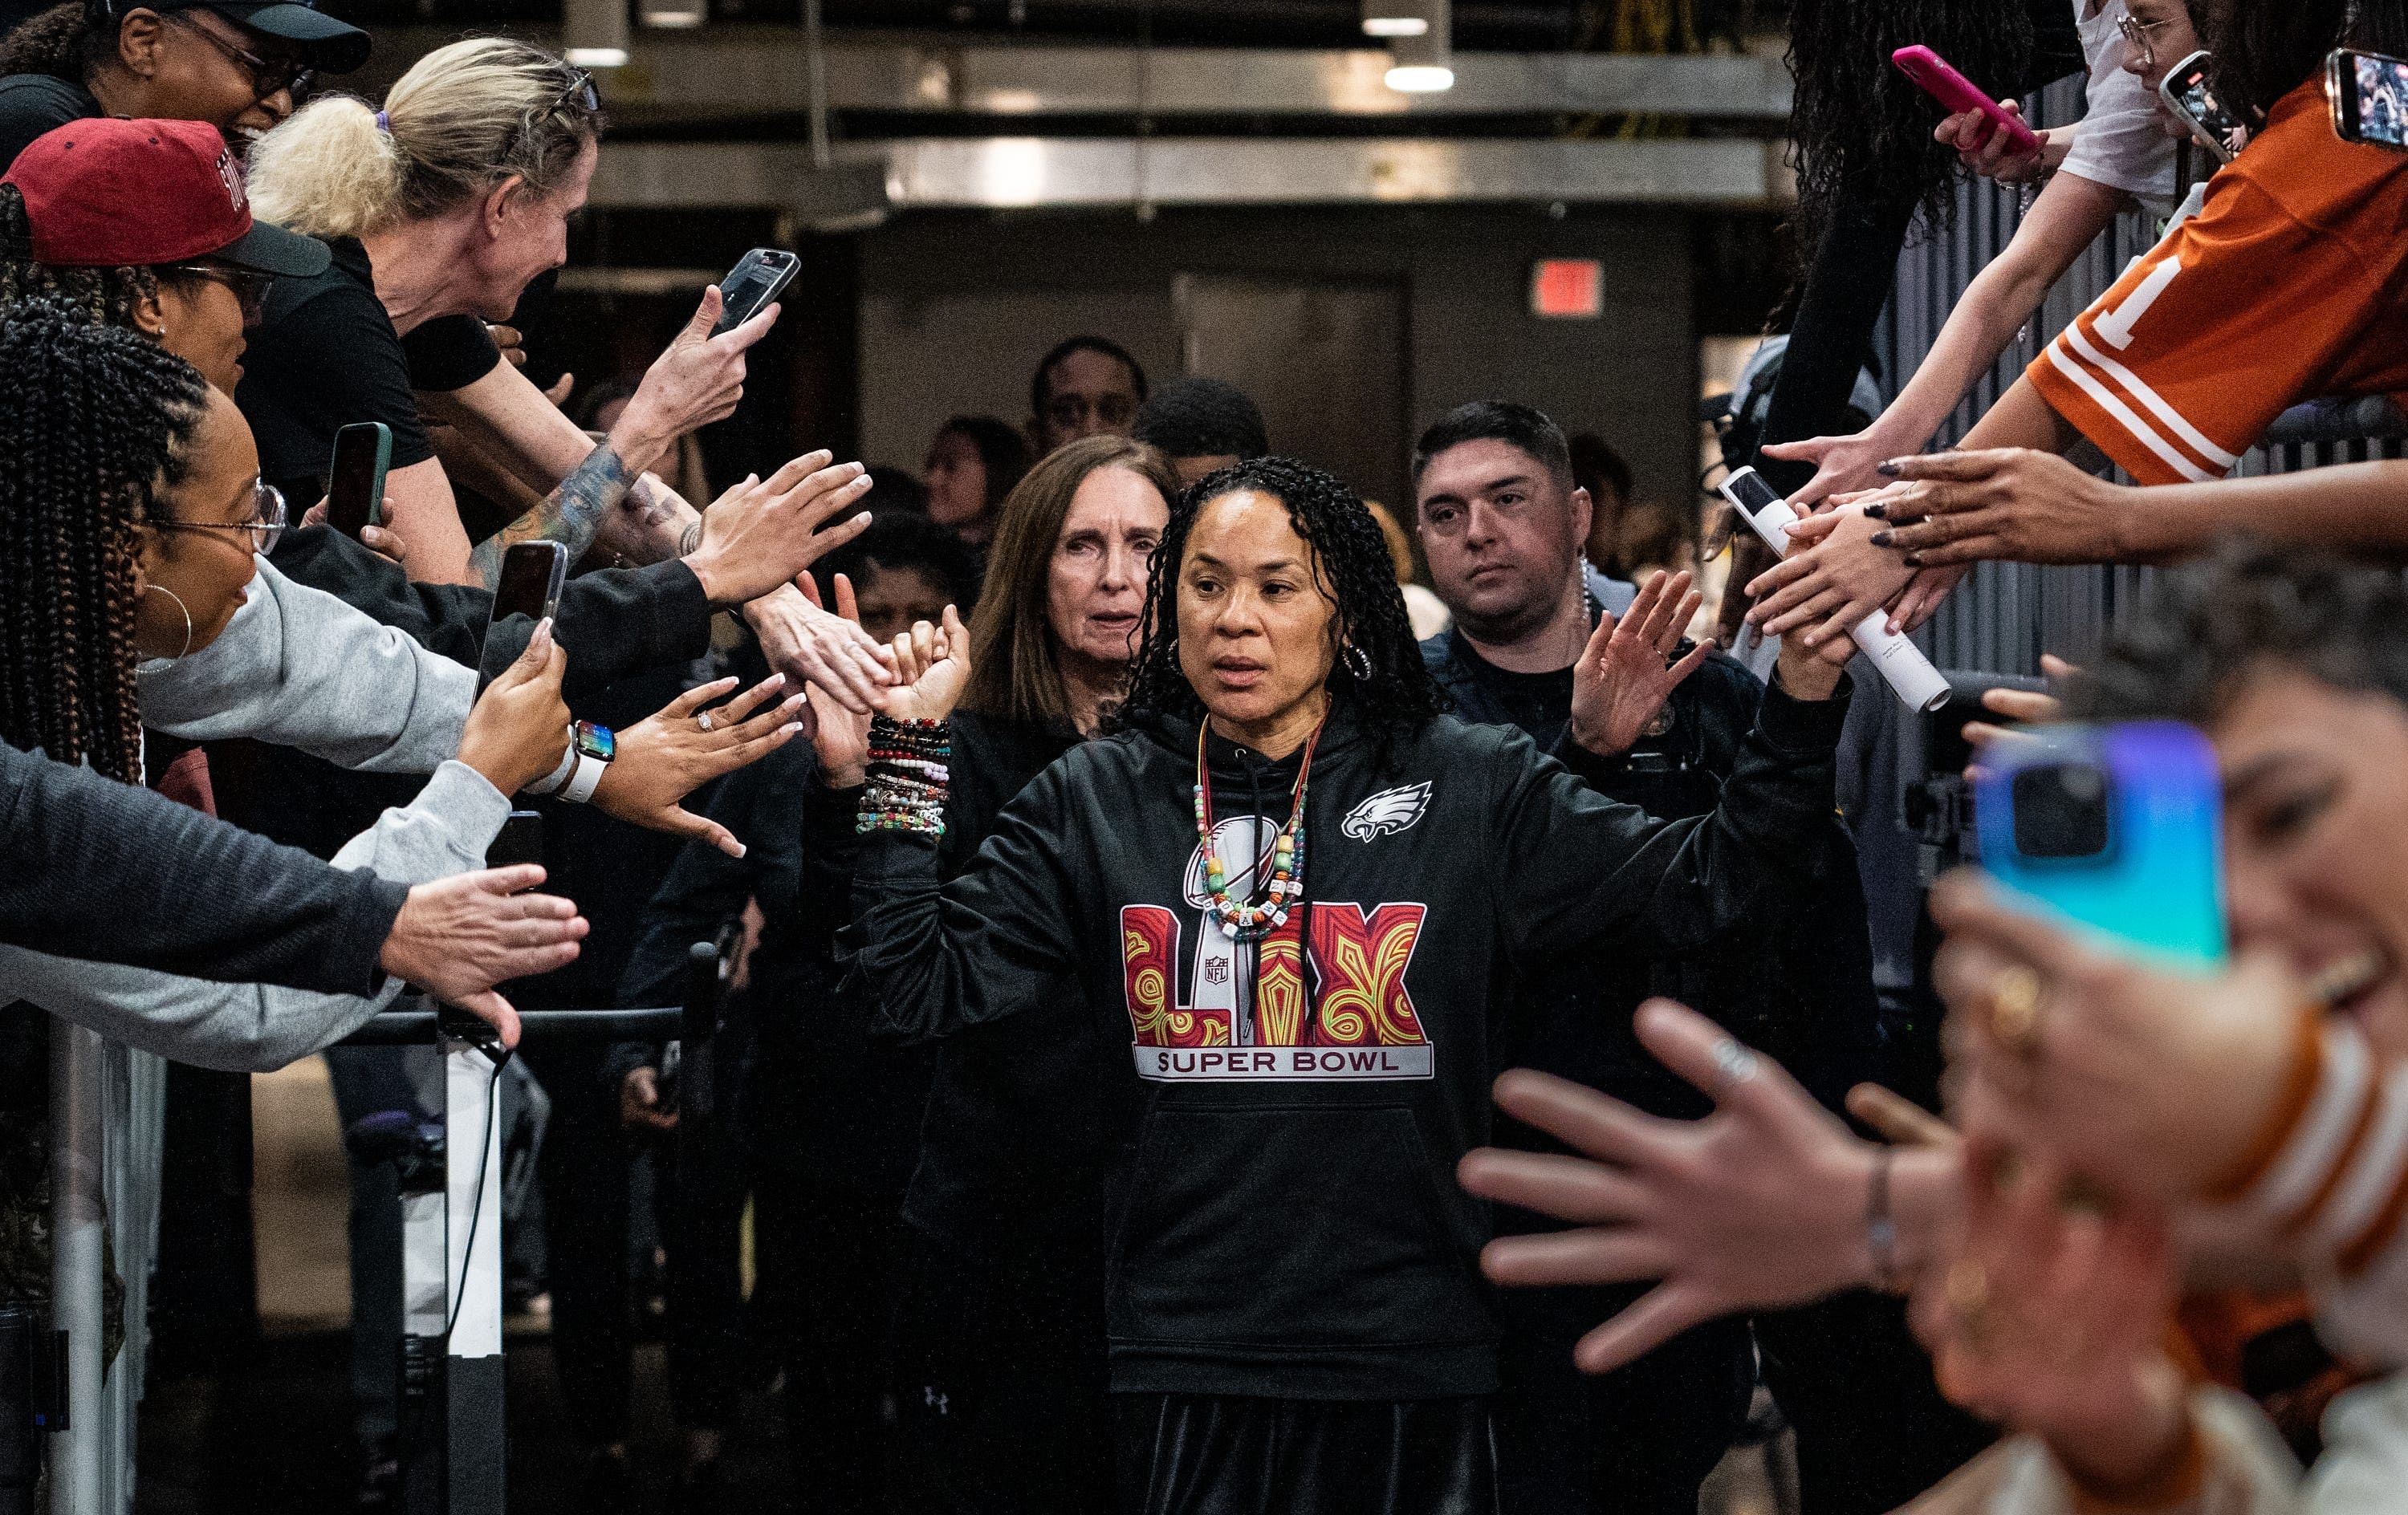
{"points": [[956, 309]]}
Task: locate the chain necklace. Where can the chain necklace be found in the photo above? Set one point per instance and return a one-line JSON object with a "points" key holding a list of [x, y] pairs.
{"points": [[1245, 919]]}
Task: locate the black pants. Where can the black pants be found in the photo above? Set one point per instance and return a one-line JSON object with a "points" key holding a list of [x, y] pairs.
{"points": [[1217, 1454], [1637, 1441], [999, 1391]]}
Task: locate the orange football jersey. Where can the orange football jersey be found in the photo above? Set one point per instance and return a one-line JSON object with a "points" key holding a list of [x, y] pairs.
{"points": [[2285, 287]]}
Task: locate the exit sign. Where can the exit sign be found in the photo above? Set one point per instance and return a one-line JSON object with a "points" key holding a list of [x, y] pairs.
{"points": [[1568, 289]]}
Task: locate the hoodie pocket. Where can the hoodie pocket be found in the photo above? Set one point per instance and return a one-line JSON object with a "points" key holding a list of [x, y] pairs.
{"points": [[1311, 1227]]}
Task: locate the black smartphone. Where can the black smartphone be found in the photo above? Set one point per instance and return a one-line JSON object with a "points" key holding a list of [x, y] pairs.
{"points": [[758, 277], [2187, 96], [520, 840], [355, 479], [532, 574], [2369, 95]]}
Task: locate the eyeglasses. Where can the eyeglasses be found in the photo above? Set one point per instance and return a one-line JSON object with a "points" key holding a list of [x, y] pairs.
{"points": [[582, 89], [267, 75], [2137, 33], [249, 285], [265, 525]]}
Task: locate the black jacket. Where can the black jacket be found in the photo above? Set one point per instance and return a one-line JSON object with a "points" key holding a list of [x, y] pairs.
{"points": [[1285, 1221], [118, 874], [614, 622]]}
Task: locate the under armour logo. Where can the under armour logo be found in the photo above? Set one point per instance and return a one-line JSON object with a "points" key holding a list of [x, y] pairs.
{"points": [[1391, 810], [937, 1402]]}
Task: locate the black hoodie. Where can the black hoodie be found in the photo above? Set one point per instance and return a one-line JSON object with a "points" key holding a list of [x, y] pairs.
{"points": [[1285, 1221]]}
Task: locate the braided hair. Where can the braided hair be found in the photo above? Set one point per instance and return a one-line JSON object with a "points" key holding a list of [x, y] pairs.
{"points": [[105, 297], [1350, 560], [93, 424]]}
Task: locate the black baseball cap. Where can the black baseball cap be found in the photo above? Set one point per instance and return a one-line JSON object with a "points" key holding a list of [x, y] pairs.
{"points": [[324, 44]]}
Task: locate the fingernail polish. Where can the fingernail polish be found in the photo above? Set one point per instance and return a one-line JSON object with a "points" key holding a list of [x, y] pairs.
{"points": [[1888, 468], [1877, 512], [1880, 539], [1914, 559]]}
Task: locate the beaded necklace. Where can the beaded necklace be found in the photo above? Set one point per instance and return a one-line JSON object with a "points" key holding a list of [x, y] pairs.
{"points": [[1243, 919]]}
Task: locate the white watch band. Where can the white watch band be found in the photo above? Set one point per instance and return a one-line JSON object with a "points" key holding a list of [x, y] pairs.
{"points": [[582, 784], [549, 783]]}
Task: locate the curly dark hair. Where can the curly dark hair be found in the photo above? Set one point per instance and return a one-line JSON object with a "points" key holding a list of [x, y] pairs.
{"points": [[93, 424], [63, 42], [1350, 559], [2262, 52], [105, 297], [1856, 119], [2212, 626]]}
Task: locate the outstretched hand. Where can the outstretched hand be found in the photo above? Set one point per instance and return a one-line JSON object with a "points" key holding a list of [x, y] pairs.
{"points": [[763, 532], [2051, 1319], [839, 734], [664, 757], [2010, 504], [1832, 577], [1626, 671], [457, 938], [805, 642], [1760, 1204], [932, 667]]}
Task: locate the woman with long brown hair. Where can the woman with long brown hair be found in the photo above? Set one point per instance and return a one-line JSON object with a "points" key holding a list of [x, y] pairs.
{"points": [[999, 1371]]}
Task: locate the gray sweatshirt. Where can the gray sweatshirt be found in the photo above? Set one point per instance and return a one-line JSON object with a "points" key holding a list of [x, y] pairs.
{"points": [[298, 667], [444, 831]]}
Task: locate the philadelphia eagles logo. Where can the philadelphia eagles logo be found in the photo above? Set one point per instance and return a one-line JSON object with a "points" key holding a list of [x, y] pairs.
{"points": [[1391, 810]]}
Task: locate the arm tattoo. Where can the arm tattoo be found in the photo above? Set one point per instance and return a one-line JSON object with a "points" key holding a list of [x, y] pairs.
{"points": [[569, 515]]}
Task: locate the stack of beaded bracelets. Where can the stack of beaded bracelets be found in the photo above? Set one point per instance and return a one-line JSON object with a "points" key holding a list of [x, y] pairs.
{"points": [[908, 776]]}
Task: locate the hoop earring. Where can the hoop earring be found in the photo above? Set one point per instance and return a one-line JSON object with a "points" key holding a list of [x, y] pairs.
{"points": [[181, 606], [1359, 663]]}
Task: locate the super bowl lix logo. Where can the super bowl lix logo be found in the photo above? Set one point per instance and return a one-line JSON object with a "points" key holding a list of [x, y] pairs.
{"points": [[1321, 997]]}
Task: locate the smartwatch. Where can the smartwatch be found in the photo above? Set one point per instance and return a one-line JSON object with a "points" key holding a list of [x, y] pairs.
{"points": [[591, 748], [594, 747]]}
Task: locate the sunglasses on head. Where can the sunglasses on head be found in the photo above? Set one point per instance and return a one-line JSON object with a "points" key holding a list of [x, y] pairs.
{"points": [[581, 91]]}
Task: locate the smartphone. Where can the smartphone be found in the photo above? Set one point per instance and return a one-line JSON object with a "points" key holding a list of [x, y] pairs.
{"points": [[2187, 96], [1954, 91], [2116, 829], [532, 574], [355, 479], [2369, 96], [520, 840], [758, 277]]}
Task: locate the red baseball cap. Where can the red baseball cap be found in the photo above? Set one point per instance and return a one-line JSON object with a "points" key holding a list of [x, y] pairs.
{"points": [[109, 193]]}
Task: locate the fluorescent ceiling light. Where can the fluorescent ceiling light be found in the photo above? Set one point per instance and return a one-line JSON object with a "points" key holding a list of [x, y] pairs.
{"points": [[597, 57], [673, 15], [1403, 18], [1394, 26], [1420, 78]]}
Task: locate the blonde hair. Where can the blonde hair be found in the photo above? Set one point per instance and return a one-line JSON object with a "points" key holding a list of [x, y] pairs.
{"points": [[463, 118]]}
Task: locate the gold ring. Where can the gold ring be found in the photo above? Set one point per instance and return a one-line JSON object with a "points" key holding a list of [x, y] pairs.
{"points": [[2015, 1010]]}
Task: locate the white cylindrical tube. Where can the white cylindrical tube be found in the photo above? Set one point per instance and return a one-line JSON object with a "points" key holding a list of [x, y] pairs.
{"points": [[1901, 664]]}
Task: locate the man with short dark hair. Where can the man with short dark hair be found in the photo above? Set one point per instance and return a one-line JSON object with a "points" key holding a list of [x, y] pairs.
{"points": [[1087, 386], [1202, 425], [1504, 524]]}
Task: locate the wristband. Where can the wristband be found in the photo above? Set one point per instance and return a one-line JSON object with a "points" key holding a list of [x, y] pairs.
{"points": [[549, 783], [1881, 1227], [594, 747]]}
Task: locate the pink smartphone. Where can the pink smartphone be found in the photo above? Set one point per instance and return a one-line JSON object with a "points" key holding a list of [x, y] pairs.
{"points": [[1953, 90]]}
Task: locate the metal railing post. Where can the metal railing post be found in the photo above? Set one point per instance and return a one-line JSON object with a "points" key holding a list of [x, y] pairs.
{"points": [[77, 1146]]}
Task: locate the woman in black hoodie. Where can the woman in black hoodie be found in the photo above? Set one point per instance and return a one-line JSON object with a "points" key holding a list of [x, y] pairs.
{"points": [[1296, 890]]}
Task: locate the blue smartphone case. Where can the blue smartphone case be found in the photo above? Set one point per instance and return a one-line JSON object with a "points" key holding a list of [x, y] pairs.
{"points": [[2157, 888]]}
